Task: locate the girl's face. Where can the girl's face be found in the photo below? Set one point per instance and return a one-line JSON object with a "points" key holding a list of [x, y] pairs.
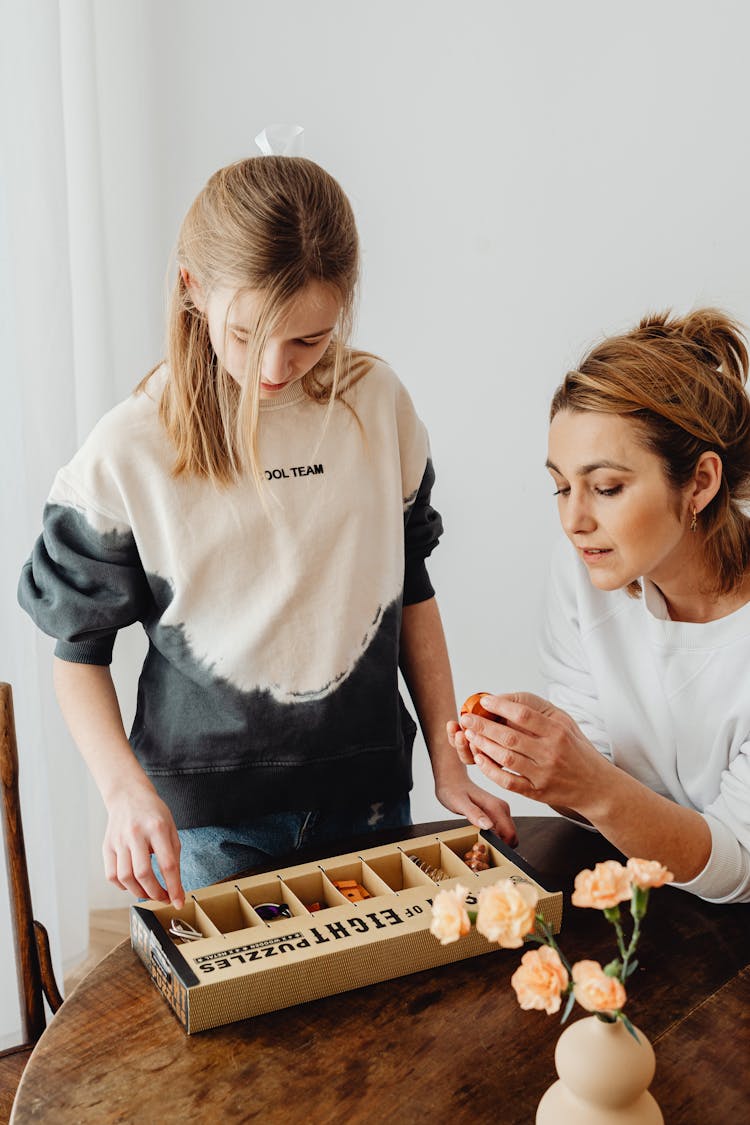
{"points": [[616, 505], [294, 347]]}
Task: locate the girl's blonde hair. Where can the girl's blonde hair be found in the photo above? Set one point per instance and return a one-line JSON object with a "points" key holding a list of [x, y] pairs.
{"points": [[682, 380], [268, 223]]}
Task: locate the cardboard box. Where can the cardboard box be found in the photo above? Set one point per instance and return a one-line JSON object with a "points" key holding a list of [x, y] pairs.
{"points": [[244, 966]]}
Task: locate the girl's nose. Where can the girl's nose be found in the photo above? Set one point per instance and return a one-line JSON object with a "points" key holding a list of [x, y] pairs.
{"points": [[276, 366]]}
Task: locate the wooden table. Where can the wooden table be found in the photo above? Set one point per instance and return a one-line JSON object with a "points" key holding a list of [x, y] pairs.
{"points": [[445, 1045]]}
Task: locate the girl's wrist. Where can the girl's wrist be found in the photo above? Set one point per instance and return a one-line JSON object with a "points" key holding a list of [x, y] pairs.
{"points": [[448, 770]]}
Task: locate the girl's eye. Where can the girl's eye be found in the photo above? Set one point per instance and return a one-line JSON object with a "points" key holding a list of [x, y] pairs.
{"points": [[310, 343], [561, 491], [239, 339], [609, 491]]}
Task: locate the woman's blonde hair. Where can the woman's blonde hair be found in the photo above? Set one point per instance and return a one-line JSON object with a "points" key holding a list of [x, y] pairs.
{"points": [[268, 223], [682, 380]]}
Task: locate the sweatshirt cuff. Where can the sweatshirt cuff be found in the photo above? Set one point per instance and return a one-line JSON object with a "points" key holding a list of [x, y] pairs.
{"points": [[417, 585], [726, 876], [97, 651]]}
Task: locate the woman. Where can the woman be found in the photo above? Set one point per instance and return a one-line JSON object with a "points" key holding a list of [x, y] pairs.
{"points": [[646, 644]]}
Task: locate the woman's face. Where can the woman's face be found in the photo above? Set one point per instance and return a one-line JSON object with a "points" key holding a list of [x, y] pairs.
{"points": [[615, 503], [293, 348]]}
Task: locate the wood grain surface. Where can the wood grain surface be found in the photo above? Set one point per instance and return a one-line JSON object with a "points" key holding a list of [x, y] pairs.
{"points": [[444, 1045]]}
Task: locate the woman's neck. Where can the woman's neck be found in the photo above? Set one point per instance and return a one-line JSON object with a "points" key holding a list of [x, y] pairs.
{"points": [[692, 602]]}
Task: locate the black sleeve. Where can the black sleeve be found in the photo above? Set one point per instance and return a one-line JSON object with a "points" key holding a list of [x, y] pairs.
{"points": [[422, 530], [82, 585]]}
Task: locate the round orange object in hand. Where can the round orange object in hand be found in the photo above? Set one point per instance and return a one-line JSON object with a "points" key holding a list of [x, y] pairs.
{"points": [[472, 706]]}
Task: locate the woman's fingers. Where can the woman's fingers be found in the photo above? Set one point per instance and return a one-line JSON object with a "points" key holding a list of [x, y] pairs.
{"points": [[512, 782], [522, 710]]}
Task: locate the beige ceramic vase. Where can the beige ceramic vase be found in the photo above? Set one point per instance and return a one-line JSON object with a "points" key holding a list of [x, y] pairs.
{"points": [[604, 1078]]}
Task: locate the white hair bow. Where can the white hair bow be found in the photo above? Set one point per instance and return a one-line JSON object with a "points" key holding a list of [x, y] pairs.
{"points": [[280, 140]]}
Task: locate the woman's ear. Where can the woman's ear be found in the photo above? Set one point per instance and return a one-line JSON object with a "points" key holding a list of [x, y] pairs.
{"points": [[706, 480], [194, 288]]}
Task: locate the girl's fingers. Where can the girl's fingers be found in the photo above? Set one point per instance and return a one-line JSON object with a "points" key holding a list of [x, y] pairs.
{"points": [[166, 847], [110, 867], [458, 741], [135, 873]]}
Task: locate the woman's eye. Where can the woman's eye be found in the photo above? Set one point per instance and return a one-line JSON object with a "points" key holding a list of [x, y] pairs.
{"points": [[561, 491], [239, 339], [609, 491], [310, 343]]}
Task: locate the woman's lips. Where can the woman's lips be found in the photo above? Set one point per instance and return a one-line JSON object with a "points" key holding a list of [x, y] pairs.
{"points": [[595, 554]]}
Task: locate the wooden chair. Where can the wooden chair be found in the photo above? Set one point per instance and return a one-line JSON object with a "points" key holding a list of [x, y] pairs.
{"points": [[36, 978]]}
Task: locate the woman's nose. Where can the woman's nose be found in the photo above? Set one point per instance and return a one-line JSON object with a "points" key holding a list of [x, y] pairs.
{"points": [[577, 516]]}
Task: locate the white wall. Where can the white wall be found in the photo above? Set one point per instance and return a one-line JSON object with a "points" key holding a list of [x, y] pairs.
{"points": [[526, 177]]}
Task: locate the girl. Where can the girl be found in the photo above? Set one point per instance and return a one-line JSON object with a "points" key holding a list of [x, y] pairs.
{"points": [[646, 646], [261, 504]]}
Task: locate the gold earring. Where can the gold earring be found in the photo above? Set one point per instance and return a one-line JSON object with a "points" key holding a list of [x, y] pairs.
{"points": [[694, 521]]}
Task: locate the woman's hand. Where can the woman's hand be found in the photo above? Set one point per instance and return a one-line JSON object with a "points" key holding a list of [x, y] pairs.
{"points": [[141, 824], [457, 792], [534, 749]]}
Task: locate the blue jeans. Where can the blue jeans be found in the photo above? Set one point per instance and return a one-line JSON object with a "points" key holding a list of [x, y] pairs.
{"points": [[213, 853]]}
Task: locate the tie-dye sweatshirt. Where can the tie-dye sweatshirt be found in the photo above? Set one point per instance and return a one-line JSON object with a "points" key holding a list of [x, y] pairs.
{"points": [[270, 681]]}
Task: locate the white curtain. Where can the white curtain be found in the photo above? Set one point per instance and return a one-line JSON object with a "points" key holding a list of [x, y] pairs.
{"points": [[57, 378]]}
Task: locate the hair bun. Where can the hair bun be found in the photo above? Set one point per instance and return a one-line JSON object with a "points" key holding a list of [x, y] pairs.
{"points": [[719, 339]]}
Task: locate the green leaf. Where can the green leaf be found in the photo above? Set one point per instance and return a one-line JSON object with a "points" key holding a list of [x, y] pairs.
{"points": [[631, 969], [568, 1006], [629, 1026]]}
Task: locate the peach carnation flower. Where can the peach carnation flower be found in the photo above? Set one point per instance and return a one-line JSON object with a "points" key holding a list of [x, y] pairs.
{"points": [[506, 912], [540, 980], [594, 990], [450, 921], [646, 873], [604, 887]]}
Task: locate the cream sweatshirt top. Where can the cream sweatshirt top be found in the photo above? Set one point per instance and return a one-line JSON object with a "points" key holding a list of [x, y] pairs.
{"points": [[271, 679]]}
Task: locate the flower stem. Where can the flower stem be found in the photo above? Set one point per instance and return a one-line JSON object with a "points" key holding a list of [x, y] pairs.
{"points": [[548, 938], [631, 948]]}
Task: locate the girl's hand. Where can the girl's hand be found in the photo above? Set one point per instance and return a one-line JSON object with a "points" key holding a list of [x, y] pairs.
{"points": [[139, 825], [459, 794], [459, 742], [538, 751]]}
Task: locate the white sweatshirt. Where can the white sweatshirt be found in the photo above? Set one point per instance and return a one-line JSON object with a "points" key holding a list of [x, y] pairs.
{"points": [[666, 701]]}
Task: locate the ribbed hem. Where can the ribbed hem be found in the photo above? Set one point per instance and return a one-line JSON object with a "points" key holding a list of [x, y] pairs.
{"points": [[87, 652], [417, 585], [287, 397], [230, 796], [726, 877]]}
